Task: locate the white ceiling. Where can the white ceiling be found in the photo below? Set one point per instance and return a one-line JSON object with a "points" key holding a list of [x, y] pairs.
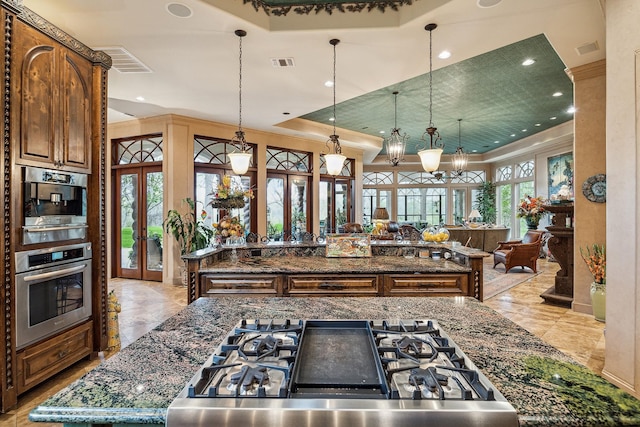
{"points": [[194, 60]]}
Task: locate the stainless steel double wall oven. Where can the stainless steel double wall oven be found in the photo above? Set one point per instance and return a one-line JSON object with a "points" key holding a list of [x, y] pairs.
{"points": [[53, 280]]}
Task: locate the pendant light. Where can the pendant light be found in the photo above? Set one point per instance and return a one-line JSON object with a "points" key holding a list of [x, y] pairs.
{"points": [[459, 158], [240, 160], [430, 155], [335, 159], [396, 143]]}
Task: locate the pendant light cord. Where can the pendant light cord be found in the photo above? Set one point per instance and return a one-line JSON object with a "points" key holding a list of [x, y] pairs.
{"points": [[240, 87], [431, 78], [334, 43]]}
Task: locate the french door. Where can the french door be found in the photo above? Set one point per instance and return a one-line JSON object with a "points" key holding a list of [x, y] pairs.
{"points": [[288, 206], [138, 201]]}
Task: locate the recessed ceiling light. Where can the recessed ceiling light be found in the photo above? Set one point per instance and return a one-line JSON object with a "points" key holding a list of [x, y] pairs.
{"points": [[524, 130], [332, 119], [140, 98], [552, 118], [496, 142], [537, 124], [571, 110], [528, 61], [381, 131], [328, 83], [179, 10], [474, 151], [556, 94], [513, 134], [444, 54]]}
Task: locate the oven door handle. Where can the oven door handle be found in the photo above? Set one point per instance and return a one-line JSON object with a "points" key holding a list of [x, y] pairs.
{"points": [[43, 229], [57, 273]]}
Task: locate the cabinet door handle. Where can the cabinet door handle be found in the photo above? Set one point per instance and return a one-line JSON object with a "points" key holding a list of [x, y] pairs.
{"points": [[334, 286]]}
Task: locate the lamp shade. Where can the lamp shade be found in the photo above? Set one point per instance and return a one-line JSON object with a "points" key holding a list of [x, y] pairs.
{"points": [[240, 162], [381, 214], [334, 163], [474, 214], [430, 159]]}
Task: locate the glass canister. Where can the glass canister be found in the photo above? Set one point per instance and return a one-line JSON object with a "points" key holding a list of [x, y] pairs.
{"points": [[435, 234]]}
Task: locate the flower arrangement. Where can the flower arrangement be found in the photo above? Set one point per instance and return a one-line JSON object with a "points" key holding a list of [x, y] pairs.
{"points": [[596, 259], [229, 227], [226, 190], [531, 208], [229, 195]]}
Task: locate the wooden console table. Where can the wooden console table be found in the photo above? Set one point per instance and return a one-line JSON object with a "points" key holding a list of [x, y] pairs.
{"points": [[561, 247]]}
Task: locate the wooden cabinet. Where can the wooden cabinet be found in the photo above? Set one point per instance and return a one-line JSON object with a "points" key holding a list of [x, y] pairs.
{"points": [[41, 361], [356, 285], [51, 108], [240, 285], [426, 284]]}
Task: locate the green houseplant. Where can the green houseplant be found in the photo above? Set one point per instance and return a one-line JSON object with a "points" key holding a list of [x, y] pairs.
{"points": [[189, 230], [486, 202]]}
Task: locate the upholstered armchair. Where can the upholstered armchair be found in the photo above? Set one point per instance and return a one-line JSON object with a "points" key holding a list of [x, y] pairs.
{"points": [[522, 253]]}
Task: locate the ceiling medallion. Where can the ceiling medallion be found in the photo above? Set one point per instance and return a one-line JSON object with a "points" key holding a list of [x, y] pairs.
{"points": [[302, 7]]}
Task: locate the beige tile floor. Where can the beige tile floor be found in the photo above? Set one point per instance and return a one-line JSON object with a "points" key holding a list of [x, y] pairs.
{"points": [[146, 304]]}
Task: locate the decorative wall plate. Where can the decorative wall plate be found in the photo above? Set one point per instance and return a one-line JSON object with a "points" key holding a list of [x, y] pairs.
{"points": [[594, 188]]}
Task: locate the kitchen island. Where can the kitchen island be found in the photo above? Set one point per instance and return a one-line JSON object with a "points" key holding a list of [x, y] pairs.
{"points": [[302, 269], [135, 386]]}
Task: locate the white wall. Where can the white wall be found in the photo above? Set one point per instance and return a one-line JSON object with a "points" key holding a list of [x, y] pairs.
{"points": [[622, 358]]}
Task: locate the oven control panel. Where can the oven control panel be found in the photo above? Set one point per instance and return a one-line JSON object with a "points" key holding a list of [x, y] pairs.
{"points": [[39, 258]]}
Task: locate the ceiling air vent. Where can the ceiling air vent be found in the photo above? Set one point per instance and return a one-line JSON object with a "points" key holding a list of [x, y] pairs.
{"points": [[124, 61], [282, 62], [587, 48]]}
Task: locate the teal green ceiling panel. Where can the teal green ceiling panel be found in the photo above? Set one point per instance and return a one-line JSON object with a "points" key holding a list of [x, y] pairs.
{"points": [[498, 99], [305, 7]]}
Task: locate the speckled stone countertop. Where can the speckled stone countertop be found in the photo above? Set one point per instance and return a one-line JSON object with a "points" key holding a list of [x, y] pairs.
{"points": [[136, 385], [322, 265]]}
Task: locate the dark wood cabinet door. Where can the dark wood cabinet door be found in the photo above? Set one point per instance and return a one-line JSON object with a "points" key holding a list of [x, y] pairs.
{"points": [[76, 111], [34, 83], [52, 112]]}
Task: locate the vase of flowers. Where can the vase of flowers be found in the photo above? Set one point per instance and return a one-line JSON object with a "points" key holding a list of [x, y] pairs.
{"points": [[229, 228], [229, 195], [595, 258], [532, 210]]}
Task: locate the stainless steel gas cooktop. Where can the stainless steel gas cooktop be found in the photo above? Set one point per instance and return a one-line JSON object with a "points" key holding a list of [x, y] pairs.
{"points": [[339, 373]]}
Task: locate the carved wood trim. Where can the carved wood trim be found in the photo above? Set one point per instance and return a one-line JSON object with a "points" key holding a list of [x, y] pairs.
{"points": [[104, 292], [9, 393], [41, 24]]}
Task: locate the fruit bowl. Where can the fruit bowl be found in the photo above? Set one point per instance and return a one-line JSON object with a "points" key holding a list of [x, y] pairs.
{"points": [[435, 235]]}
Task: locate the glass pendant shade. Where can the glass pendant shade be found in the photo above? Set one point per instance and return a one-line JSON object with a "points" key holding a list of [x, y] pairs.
{"points": [[430, 159], [240, 162], [395, 148], [459, 160], [334, 163]]}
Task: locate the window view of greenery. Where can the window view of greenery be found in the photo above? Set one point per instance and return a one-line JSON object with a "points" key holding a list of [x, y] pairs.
{"points": [[129, 217], [505, 205], [524, 189]]}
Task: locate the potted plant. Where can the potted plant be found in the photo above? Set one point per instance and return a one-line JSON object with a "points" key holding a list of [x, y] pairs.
{"points": [[189, 230], [595, 258], [486, 202]]}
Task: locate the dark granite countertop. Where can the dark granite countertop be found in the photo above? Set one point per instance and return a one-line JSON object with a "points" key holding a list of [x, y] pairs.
{"points": [[322, 265], [137, 385]]}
